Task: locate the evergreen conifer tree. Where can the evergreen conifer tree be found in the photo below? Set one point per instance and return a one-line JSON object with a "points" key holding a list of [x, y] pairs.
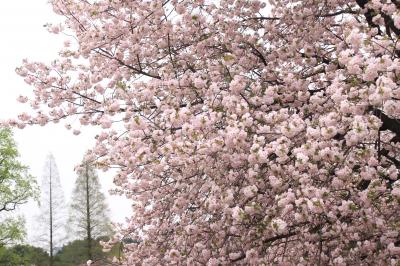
{"points": [[89, 213], [51, 219]]}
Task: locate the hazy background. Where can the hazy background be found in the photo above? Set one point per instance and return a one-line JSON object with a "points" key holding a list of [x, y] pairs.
{"points": [[23, 36]]}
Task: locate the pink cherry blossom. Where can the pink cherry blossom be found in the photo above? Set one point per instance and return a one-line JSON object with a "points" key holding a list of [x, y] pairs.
{"points": [[244, 132]]}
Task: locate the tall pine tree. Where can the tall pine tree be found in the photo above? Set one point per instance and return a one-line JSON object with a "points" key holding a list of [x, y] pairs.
{"points": [[89, 213], [51, 219]]}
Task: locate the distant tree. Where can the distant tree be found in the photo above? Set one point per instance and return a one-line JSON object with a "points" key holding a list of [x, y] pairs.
{"points": [[89, 217], [75, 253], [7, 257], [23, 255], [16, 188], [52, 210]]}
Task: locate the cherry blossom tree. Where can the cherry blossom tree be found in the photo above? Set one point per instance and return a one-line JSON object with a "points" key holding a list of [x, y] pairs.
{"points": [[248, 132]]}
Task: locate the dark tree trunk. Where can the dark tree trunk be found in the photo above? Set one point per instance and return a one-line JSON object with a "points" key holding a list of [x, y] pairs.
{"points": [[51, 219], [88, 227]]}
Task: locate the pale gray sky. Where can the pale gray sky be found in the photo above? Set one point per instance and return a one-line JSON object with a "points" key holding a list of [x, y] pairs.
{"points": [[23, 36]]}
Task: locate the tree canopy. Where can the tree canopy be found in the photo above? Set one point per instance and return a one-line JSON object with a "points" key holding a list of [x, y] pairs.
{"points": [[23, 255], [74, 253], [16, 188], [244, 131]]}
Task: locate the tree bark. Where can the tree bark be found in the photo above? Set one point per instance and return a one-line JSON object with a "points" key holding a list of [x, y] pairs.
{"points": [[51, 219], [88, 227]]}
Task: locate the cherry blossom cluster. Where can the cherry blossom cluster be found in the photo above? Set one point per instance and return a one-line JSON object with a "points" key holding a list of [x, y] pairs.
{"points": [[245, 132]]}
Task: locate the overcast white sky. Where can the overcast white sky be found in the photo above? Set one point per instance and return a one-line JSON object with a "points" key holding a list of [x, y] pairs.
{"points": [[23, 36]]}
